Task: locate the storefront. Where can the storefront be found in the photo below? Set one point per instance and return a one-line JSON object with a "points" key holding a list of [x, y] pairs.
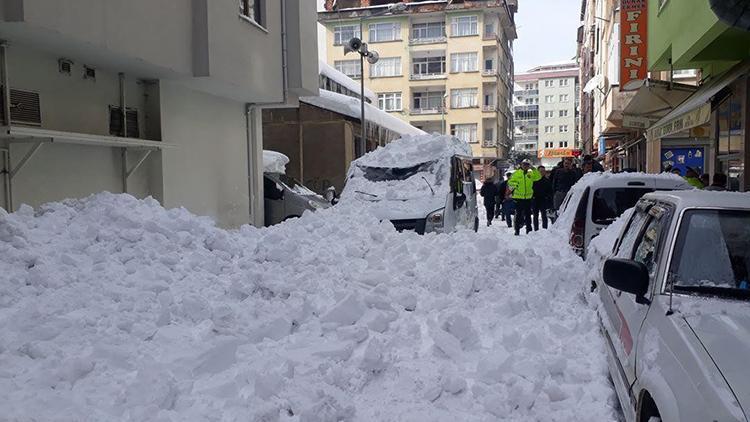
{"points": [[550, 157], [707, 130]]}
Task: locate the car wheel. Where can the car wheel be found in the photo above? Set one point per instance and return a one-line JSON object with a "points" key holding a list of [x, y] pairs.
{"points": [[476, 224], [648, 410]]}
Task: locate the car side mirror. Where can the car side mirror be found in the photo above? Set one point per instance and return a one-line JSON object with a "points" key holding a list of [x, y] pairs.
{"points": [[628, 276], [458, 200]]}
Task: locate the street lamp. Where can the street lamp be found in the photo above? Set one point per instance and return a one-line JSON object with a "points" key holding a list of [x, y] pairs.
{"points": [[355, 45]]}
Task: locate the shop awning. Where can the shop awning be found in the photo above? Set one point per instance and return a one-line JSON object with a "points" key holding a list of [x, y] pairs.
{"points": [[653, 100], [696, 110]]}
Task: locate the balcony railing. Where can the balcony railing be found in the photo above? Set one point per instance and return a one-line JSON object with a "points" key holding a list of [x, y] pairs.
{"points": [[489, 36], [489, 72], [429, 40], [489, 107], [427, 76], [421, 111], [488, 143]]}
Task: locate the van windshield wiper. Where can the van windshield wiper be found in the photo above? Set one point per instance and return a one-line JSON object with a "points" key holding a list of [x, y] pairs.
{"points": [[728, 292], [429, 185]]}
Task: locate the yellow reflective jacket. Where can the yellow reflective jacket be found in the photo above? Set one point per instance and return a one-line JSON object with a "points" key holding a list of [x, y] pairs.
{"points": [[523, 183]]}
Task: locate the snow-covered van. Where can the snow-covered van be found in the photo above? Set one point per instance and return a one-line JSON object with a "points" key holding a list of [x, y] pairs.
{"points": [[283, 196], [422, 183], [599, 198]]}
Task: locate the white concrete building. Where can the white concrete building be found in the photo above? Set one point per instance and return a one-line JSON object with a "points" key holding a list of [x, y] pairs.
{"points": [[192, 76], [546, 112]]}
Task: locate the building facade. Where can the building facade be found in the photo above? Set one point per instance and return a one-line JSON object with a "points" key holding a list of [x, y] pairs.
{"points": [[546, 112], [171, 110], [444, 67]]}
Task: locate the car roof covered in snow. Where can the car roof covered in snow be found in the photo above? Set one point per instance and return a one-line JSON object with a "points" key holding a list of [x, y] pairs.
{"points": [[660, 181], [703, 199], [412, 150]]}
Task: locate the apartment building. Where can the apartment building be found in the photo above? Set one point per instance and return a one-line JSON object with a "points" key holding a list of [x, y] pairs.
{"points": [[445, 66], [546, 112], [161, 101]]}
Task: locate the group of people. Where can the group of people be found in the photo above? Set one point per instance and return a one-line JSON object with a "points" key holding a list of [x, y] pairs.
{"points": [[702, 181], [528, 193]]}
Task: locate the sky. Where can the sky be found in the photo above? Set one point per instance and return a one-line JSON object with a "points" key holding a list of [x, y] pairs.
{"points": [[546, 32]]}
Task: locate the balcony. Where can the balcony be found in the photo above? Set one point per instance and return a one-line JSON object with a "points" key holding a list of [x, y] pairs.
{"points": [[489, 108], [430, 40], [489, 36], [425, 111], [489, 143], [490, 72], [427, 76]]}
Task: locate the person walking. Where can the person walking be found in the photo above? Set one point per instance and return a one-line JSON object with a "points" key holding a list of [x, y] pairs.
{"points": [[506, 203], [489, 193], [522, 185], [542, 198], [563, 180], [719, 183]]}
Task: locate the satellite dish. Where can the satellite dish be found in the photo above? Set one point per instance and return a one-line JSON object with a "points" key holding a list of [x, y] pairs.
{"points": [[373, 57], [353, 45]]}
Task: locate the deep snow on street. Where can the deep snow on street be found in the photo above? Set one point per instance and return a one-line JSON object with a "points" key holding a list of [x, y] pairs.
{"points": [[113, 308]]}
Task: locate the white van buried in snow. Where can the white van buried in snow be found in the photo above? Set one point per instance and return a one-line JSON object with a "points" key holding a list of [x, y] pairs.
{"points": [[422, 183]]}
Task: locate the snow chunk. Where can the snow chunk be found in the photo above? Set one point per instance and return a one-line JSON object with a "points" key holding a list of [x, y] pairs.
{"points": [[274, 162]]}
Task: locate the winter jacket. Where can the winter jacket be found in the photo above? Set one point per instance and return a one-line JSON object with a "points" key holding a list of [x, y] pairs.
{"points": [[543, 193], [695, 182], [563, 179], [522, 183], [489, 192]]}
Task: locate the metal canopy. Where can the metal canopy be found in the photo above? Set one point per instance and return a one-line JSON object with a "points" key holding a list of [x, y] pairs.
{"points": [[15, 134], [654, 99]]}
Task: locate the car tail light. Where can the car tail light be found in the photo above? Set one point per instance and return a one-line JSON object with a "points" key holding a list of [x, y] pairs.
{"points": [[578, 231]]}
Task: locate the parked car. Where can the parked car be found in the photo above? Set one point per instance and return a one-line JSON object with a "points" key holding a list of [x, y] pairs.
{"points": [[283, 196], [423, 183], [599, 198], [674, 308]]}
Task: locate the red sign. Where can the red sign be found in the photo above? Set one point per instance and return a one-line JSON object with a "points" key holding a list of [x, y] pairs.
{"points": [[633, 40]]}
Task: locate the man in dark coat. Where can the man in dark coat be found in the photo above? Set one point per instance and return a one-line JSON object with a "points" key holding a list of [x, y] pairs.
{"points": [[564, 179], [542, 198], [507, 206], [489, 192]]}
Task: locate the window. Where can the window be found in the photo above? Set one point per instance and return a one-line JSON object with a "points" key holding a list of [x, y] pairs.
{"points": [[390, 101], [342, 34], [548, 144], [390, 66], [489, 30], [564, 98], [489, 100], [462, 26], [382, 32], [562, 144], [645, 251], [489, 134], [529, 101], [350, 68], [563, 128], [549, 113], [253, 9], [529, 87], [549, 83], [423, 101], [564, 82], [464, 98], [489, 64], [610, 203], [115, 122], [464, 62], [428, 65], [549, 99], [465, 132], [549, 129], [428, 31], [633, 230], [563, 113]]}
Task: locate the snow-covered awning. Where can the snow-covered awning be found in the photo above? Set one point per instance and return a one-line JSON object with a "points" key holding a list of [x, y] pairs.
{"points": [[345, 81], [349, 106]]}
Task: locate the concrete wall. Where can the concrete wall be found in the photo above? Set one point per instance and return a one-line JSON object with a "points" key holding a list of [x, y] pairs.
{"points": [[207, 170]]}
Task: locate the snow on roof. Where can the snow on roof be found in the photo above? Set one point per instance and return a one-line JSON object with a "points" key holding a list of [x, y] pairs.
{"points": [[349, 106], [274, 162], [349, 83], [702, 198], [412, 150]]}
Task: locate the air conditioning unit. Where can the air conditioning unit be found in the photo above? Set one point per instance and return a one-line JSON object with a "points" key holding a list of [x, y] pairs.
{"points": [[25, 107]]}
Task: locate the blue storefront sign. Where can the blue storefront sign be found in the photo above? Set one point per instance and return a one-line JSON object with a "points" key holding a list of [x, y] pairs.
{"points": [[681, 158]]}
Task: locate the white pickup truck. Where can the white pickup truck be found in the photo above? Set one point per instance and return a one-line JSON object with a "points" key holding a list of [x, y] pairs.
{"points": [[674, 308]]}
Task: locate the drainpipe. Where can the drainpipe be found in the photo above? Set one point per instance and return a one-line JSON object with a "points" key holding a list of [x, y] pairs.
{"points": [[254, 129], [7, 122]]}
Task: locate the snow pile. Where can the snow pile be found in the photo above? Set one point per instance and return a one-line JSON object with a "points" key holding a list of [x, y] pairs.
{"points": [[351, 107], [274, 162], [113, 308], [411, 150]]}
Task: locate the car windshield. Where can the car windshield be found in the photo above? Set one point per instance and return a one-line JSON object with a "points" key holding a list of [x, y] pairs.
{"points": [[610, 203], [382, 174], [712, 255], [294, 185]]}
